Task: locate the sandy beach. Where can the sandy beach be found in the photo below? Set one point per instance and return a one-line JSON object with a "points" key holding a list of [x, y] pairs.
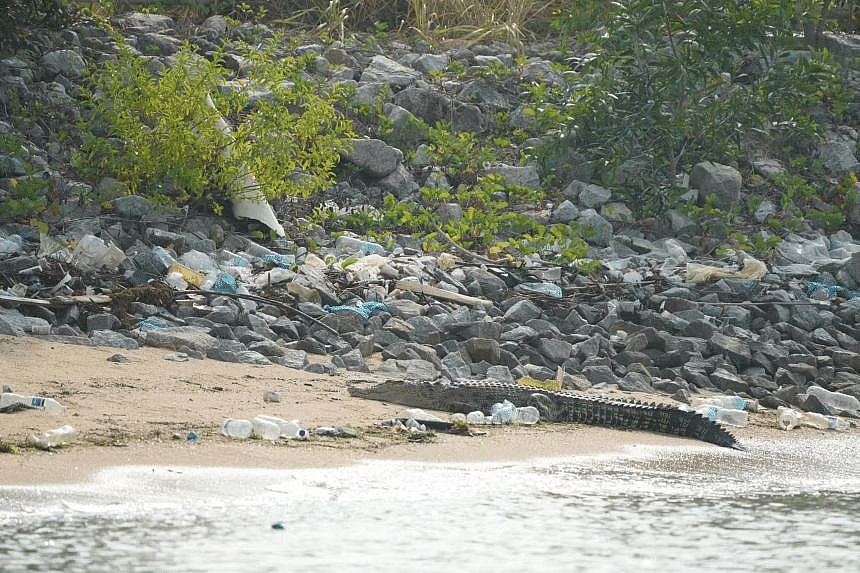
{"points": [[140, 412]]}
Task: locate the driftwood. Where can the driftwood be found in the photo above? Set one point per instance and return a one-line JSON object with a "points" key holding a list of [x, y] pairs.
{"points": [[415, 286], [58, 300]]}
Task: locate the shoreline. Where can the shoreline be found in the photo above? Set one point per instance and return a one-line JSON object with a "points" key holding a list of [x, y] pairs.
{"points": [[128, 414]]}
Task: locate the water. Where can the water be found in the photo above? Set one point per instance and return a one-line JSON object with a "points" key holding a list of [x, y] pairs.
{"points": [[779, 508]]}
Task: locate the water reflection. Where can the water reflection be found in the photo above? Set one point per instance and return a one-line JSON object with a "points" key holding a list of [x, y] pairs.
{"points": [[785, 507]]}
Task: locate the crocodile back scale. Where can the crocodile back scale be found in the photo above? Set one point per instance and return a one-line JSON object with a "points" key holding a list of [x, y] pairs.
{"points": [[554, 406]]}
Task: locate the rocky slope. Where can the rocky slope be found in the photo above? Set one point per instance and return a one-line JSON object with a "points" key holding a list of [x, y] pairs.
{"points": [[655, 316]]}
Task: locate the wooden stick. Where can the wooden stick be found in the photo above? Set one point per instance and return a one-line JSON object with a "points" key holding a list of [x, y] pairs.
{"points": [[415, 286]]}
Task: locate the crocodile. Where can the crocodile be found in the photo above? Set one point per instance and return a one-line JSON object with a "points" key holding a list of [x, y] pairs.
{"points": [[554, 406]]}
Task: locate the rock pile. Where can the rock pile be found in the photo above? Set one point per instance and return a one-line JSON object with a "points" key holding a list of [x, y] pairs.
{"points": [[197, 286]]}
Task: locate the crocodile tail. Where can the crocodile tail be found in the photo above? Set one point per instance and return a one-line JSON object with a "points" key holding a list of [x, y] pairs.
{"points": [[702, 428]]}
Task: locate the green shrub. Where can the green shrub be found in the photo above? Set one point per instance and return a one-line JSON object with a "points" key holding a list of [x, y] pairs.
{"points": [[161, 136]]}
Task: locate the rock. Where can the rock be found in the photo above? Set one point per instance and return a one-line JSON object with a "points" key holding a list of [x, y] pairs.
{"points": [[565, 212], [352, 361], [415, 369], [555, 350], [173, 337], [593, 196], [428, 104], [732, 348], [599, 375], [373, 156], [720, 180], [838, 157], [526, 176], [66, 62], [635, 382], [597, 230], [522, 311], [383, 69]]}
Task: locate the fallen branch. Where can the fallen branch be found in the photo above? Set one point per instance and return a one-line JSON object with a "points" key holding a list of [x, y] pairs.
{"points": [[415, 286]]}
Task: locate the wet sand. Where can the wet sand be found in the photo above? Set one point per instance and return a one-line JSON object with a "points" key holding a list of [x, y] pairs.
{"points": [[140, 412]]}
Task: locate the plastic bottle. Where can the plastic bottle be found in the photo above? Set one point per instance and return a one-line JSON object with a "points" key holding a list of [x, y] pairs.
{"points": [[265, 429], [52, 438], [726, 416], [49, 405], [527, 415], [291, 430], [836, 400], [823, 422], [733, 402], [10, 245], [476, 417], [352, 246], [503, 413], [787, 418], [237, 428]]}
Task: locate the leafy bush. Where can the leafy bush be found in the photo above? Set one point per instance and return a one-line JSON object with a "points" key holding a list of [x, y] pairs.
{"points": [[162, 137], [673, 83]]}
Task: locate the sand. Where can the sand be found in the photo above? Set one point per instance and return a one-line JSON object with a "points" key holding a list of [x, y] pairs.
{"points": [[140, 412]]}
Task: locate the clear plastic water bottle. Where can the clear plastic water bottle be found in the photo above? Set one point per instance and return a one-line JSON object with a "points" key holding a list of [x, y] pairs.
{"points": [[237, 428], [823, 422], [52, 438], [725, 416], [265, 429], [49, 405], [291, 430], [733, 402], [787, 418], [503, 413], [836, 400], [527, 415], [476, 417]]}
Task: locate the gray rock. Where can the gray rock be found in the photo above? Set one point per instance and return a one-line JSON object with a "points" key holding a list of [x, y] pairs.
{"points": [[382, 69], [268, 348], [474, 329], [426, 63], [102, 321], [154, 43], [593, 196], [728, 382], [555, 350], [565, 212], [213, 27], [483, 350], [522, 311], [373, 156], [480, 92], [455, 366], [599, 375], [733, 348], [428, 104], [717, 179], [297, 359], [468, 117], [240, 356], [617, 211], [635, 382], [352, 361], [415, 368], [322, 367], [66, 62], [527, 176], [425, 330], [175, 336], [399, 183], [113, 339], [144, 21], [597, 230], [519, 334], [838, 157]]}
